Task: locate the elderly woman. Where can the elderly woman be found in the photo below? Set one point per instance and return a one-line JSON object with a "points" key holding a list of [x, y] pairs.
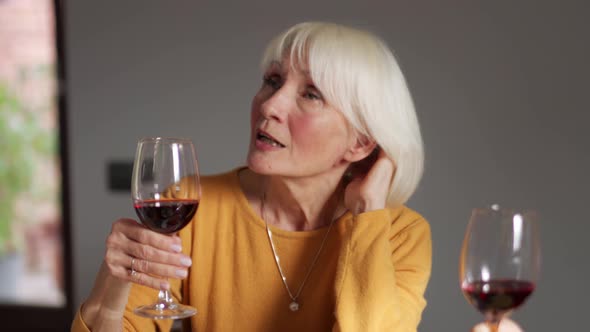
{"points": [[312, 235]]}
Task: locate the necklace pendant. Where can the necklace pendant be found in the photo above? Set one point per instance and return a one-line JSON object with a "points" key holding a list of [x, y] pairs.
{"points": [[294, 306]]}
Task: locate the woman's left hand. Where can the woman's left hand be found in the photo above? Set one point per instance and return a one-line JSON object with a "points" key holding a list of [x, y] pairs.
{"points": [[369, 187]]}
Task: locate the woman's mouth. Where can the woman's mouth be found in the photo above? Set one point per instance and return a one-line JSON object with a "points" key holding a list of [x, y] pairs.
{"points": [[263, 137]]}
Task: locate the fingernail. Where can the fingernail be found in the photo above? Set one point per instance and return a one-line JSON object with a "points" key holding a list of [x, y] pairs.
{"points": [[176, 248], [164, 285], [186, 261], [181, 273]]}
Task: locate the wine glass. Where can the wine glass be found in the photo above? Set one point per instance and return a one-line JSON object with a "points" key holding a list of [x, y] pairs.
{"points": [[500, 261], [165, 189]]}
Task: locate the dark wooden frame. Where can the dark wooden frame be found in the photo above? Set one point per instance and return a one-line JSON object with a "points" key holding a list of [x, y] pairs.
{"points": [[33, 318]]}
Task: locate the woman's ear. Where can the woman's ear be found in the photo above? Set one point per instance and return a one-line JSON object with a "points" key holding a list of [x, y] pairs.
{"points": [[360, 149]]}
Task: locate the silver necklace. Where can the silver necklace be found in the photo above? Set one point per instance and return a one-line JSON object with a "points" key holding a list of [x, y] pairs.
{"points": [[294, 305]]}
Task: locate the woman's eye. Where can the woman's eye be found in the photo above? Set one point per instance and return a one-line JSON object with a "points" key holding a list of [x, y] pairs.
{"points": [[312, 95], [274, 81]]}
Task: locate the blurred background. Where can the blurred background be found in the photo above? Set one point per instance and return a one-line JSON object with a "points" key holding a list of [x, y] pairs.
{"points": [[501, 90], [31, 261]]}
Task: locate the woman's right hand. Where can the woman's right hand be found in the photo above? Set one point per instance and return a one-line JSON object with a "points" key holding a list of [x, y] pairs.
{"points": [[155, 257]]}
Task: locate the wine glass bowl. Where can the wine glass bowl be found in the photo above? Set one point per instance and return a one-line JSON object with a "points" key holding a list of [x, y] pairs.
{"points": [[500, 260], [166, 216], [165, 190]]}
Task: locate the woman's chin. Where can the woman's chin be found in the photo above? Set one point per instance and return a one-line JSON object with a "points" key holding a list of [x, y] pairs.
{"points": [[259, 166]]}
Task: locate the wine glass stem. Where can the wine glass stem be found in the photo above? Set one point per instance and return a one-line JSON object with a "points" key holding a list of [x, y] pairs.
{"points": [[164, 299]]}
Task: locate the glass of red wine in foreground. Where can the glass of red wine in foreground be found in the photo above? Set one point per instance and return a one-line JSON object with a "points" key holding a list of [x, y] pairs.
{"points": [[165, 189], [500, 261]]}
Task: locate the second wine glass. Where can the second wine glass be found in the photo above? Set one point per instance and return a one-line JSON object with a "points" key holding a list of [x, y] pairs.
{"points": [[500, 261], [166, 190]]}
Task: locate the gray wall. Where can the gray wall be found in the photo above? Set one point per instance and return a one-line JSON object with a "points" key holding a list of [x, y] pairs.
{"points": [[501, 89]]}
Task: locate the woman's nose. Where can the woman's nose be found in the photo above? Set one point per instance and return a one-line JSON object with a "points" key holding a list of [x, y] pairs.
{"points": [[277, 105]]}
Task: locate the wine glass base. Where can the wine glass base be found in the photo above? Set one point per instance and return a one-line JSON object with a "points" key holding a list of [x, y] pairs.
{"points": [[168, 311]]}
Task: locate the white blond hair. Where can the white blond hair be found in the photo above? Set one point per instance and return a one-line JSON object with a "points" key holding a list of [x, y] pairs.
{"points": [[357, 73]]}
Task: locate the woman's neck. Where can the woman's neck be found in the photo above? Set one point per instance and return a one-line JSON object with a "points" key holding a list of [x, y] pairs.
{"points": [[295, 204]]}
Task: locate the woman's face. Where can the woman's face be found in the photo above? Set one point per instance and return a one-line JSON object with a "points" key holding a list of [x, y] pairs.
{"points": [[294, 131]]}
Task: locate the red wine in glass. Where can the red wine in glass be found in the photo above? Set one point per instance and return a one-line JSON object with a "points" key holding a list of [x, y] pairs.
{"points": [[497, 297], [166, 216], [165, 189], [500, 261]]}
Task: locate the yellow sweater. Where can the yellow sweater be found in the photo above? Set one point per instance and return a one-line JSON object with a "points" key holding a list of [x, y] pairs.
{"points": [[370, 276]]}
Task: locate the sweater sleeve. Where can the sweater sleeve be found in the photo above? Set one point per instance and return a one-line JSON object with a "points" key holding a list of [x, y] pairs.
{"points": [[139, 295], [382, 273]]}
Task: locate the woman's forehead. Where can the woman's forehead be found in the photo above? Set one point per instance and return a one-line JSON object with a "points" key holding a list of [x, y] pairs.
{"points": [[286, 64]]}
